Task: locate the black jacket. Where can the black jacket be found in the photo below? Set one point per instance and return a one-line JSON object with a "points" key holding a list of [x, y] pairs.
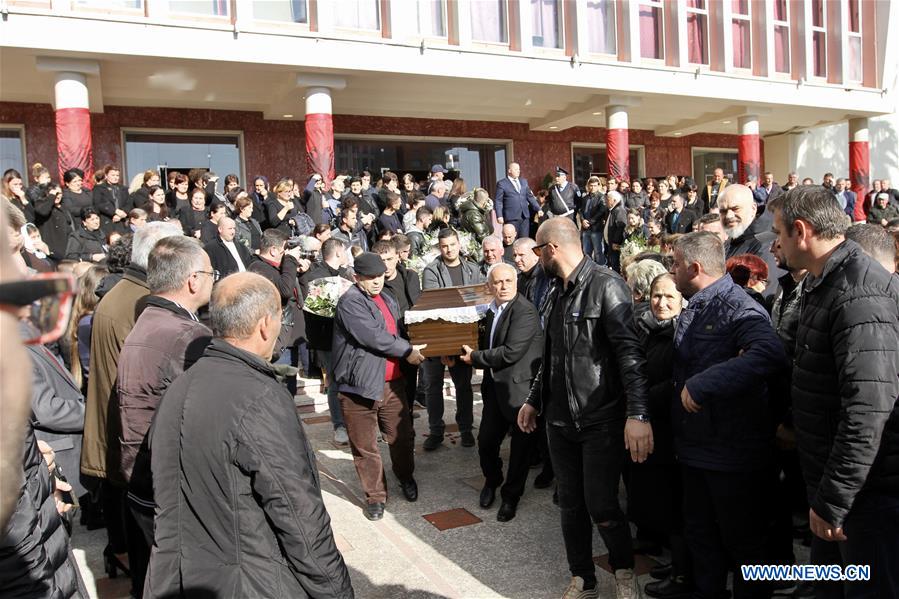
{"points": [[512, 363], [226, 441], [725, 351], [74, 203], [604, 362], [191, 221], [617, 224], [284, 277], [273, 206], [361, 344], [312, 201], [51, 219], [657, 338], [83, 244], [684, 223], [108, 198], [223, 261], [846, 381]]}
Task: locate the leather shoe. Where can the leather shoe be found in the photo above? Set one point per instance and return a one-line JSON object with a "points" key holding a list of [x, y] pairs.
{"points": [[467, 439], [374, 511], [543, 480], [410, 490], [673, 587], [488, 496], [506, 512], [432, 442], [660, 572]]}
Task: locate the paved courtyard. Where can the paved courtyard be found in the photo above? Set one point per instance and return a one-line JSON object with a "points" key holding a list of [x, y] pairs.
{"points": [[443, 545]]}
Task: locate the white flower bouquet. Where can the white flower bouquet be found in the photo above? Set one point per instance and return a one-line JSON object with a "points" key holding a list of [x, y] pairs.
{"points": [[323, 294]]}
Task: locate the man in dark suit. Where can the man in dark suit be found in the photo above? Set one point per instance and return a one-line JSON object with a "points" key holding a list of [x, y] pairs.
{"points": [[514, 202], [513, 340], [680, 219], [845, 196], [226, 255], [613, 229]]}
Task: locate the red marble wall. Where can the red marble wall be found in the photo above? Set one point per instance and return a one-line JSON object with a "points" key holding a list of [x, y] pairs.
{"points": [[276, 148]]}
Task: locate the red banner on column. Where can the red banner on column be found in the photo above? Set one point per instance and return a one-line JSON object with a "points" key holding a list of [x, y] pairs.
{"points": [[73, 142], [859, 176], [320, 145], [618, 154], [748, 158]]}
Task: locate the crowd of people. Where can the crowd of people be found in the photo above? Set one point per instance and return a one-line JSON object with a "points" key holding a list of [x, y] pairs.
{"points": [[730, 351]]}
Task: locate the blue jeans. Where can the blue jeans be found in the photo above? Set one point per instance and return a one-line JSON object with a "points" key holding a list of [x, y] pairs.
{"points": [[594, 246], [293, 355], [333, 400]]}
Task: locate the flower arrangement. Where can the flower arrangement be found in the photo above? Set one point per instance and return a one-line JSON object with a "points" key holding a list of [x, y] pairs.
{"points": [[323, 295], [637, 245]]}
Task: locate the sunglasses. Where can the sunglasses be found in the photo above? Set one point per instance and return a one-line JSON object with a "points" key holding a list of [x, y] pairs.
{"points": [[49, 297], [538, 249]]}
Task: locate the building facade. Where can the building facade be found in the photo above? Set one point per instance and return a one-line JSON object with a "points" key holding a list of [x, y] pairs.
{"points": [[289, 87]]}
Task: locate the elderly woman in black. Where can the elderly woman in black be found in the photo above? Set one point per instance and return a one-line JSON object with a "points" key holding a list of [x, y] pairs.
{"points": [[87, 243], [75, 197], [654, 489]]}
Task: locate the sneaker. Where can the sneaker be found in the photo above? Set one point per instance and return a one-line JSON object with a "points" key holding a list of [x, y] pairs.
{"points": [[626, 585], [576, 590], [340, 436]]}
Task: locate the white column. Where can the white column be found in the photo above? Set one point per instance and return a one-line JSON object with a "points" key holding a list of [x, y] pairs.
{"points": [[318, 100], [749, 124], [70, 90]]}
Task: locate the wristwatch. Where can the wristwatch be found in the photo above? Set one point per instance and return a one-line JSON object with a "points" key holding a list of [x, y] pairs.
{"points": [[639, 418]]}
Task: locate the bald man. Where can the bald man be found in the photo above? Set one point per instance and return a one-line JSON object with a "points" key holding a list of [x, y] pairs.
{"points": [[594, 394], [513, 342], [227, 255], [748, 231], [509, 234], [264, 532]]}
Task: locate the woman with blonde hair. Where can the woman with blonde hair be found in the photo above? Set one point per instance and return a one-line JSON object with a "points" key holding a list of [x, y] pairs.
{"points": [[282, 211], [80, 324]]}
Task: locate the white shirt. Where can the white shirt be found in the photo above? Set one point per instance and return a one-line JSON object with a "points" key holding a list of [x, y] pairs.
{"points": [[241, 267], [516, 184], [497, 312]]}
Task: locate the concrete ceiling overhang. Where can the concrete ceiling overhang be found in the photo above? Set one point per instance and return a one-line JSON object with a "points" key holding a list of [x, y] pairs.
{"points": [[277, 91]]}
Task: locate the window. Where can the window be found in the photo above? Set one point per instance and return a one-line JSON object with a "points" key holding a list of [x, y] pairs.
{"points": [[480, 164], [782, 36], [819, 39], [652, 28], [111, 4], [706, 160], [211, 8], [547, 23], [855, 41], [182, 151], [593, 160], [290, 11], [697, 32], [12, 151], [742, 33], [489, 21], [602, 26], [357, 14], [432, 17]]}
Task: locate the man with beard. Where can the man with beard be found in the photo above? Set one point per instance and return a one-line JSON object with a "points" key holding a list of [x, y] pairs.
{"points": [[747, 232]]}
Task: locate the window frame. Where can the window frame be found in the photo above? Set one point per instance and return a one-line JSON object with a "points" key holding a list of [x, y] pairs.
{"points": [[423, 18], [277, 23], [560, 27], [692, 10], [377, 32], [507, 28], [818, 29], [706, 150], [20, 128], [747, 19], [660, 6], [786, 25], [850, 35], [241, 143], [614, 54]]}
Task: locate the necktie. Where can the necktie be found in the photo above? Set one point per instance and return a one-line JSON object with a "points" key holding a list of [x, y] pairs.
{"points": [[516, 185]]}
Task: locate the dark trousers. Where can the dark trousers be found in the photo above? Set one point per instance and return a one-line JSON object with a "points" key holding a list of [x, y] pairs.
{"points": [[872, 533], [461, 375], [725, 519], [491, 434], [613, 258], [410, 378], [363, 419], [522, 227], [588, 465], [140, 541]]}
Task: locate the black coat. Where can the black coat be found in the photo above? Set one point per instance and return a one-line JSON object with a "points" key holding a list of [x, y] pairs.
{"points": [[52, 220], [74, 203], [617, 224], [108, 198], [192, 221], [222, 259], [83, 244], [237, 454], [511, 364], [846, 381], [658, 342], [284, 277], [273, 207], [684, 223]]}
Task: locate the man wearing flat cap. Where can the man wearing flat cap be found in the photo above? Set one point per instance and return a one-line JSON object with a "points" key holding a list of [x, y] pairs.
{"points": [[564, 196], [366, 354]]}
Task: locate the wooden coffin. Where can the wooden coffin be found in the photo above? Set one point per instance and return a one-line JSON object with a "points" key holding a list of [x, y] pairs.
{"points": [[445, 338]]}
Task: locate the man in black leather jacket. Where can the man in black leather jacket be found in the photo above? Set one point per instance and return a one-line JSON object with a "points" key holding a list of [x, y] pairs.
{"points": [[844, 390], [593, 391]]}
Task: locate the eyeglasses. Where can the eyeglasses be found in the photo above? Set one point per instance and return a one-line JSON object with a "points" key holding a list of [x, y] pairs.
{"points": [[216, 275], [538, 249], [49, 297]]}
